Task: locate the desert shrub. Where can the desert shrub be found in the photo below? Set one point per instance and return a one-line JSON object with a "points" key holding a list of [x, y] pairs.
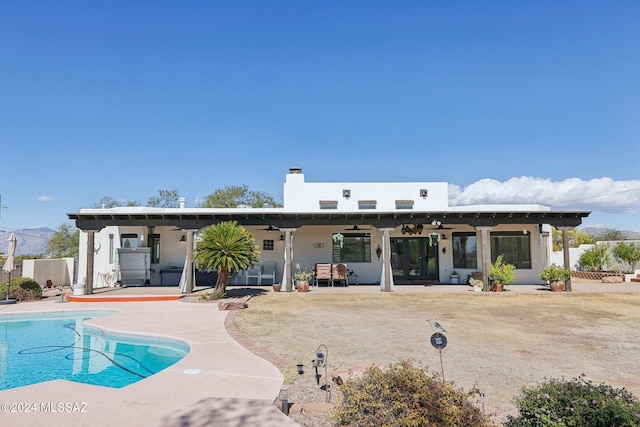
{"points": [[627, 254], [216, 294], [22, 288], [577, 402], [594, 258], [404, 395]]}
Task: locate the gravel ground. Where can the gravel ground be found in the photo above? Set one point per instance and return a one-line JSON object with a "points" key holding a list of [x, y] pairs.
{"points": [[499, 342]]}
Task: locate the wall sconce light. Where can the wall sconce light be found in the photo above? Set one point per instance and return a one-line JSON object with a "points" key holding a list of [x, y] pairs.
{"points": [[444, 249], [378, 251], [424, 193], [282, 237], [346, 193], [525, 231], [444, 237], [183, 238]]}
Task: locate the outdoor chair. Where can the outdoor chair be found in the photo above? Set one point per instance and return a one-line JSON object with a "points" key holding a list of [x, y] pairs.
{"points": [[323, 274], [255, 272], [268, 272], [339, 274]]}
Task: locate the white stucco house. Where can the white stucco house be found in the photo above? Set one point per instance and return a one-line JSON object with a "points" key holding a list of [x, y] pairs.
{"points": [[388, 234]]}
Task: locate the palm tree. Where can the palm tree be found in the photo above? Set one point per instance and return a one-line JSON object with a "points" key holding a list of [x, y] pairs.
{"points": [[226, 247]]}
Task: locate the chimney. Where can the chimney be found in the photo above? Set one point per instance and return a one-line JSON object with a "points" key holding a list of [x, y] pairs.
{"points": [[183, 202]]}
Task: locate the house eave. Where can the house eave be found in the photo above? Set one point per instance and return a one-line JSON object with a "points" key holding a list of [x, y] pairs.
{"points": [[97, 219]]}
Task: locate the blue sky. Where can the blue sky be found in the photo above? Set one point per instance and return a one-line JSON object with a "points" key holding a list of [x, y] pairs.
{"points": [[510, 102]]}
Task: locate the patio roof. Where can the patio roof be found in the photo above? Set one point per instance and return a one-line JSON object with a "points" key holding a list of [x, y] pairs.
{"points": [[200, 218]]}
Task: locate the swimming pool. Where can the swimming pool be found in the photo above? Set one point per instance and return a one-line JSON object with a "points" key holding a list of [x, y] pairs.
{"points": [[35, 348]]}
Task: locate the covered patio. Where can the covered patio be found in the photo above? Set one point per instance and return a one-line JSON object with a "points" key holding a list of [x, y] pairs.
{"points": [[189, 221]]}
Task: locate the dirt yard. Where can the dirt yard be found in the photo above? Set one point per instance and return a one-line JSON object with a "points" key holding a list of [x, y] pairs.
{"points": [[500, 342]]}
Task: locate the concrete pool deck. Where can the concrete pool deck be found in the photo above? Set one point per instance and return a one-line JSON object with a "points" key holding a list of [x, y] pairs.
{"points": [[235, 387]]}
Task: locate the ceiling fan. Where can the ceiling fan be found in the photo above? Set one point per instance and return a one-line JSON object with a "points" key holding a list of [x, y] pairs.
{"points": [[440, 227], [356, 228]]}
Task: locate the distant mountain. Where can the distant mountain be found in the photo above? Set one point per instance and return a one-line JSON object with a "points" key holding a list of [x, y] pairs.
{"points": [[31, 241], [599, 231]]}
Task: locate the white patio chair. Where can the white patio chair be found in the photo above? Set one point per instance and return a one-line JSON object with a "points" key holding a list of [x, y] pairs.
{"points": [[268, 272], [254, 272]]}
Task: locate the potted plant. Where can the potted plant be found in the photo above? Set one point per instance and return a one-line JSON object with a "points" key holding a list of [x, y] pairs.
{"points": [[556, 276], [500, 274], [475, 284], [454, 279], [302, 278]]}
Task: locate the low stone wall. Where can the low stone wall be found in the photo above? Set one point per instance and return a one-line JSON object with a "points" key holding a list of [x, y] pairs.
{"points": [[594, 275]]}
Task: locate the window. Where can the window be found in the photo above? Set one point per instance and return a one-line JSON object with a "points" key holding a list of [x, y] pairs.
{"points": [[154, 244], [366, 204], [129, 241], [356, 247], [514, 247], [404, 204], [267, 245], [465, 250], [328, 204], [111, 249]]}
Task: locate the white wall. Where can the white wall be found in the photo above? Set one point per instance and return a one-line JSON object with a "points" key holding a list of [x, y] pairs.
{"points": [[575, 253], [301, 196], [172, 252], [59, 271]]}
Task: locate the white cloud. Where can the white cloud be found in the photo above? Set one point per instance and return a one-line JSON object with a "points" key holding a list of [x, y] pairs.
{"points": [[601, 194], [46, 199]]}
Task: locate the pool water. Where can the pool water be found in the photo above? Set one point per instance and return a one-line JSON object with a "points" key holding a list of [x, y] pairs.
{"points": [[44, 347]]}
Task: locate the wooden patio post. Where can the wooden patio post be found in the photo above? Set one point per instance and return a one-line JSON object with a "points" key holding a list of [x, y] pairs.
{"points": [[386, 278], [565, 252], [91, 239], [287, 275], [485, 254], [189, 263]]}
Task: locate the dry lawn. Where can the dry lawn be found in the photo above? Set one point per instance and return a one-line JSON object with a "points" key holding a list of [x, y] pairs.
{"points": [[498, 342]]}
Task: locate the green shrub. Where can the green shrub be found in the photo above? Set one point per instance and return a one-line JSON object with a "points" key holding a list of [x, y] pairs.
{"points": [[555, 272], [22, 288], [404, 395], [577, 402], [627, 254], [501, 272], [594, 258]]}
